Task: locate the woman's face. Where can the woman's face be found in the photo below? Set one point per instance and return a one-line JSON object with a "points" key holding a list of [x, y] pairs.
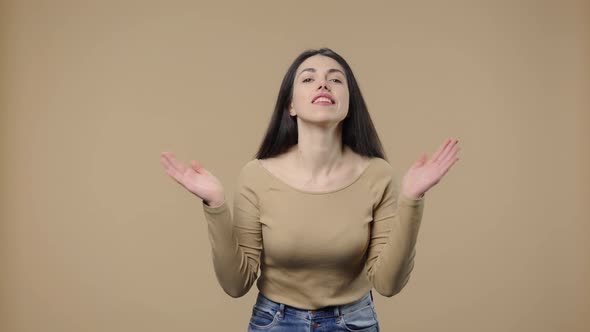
{"points": [[316, 75]]}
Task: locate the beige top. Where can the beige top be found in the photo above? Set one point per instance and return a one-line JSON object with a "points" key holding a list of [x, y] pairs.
{"points": [[315, 249]]}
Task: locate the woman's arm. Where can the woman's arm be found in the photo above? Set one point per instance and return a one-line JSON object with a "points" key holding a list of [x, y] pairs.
{"points": [[397, 219], [236, 243], [396, 222]]}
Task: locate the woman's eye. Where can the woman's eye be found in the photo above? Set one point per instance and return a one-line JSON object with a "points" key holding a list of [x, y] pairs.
{"points": [[334, 79]]}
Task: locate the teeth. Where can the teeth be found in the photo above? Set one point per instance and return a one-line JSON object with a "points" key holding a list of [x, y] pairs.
{"points": [[322, 99]]}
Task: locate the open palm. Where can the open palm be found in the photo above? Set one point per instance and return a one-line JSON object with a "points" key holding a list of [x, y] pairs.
{"points": [[425, 173], [194, 178]]}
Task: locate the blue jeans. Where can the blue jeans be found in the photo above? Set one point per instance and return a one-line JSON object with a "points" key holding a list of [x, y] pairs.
{"points": [[359, 316]]}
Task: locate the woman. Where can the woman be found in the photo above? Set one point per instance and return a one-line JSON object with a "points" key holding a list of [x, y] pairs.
{"points": [[322, 195]]}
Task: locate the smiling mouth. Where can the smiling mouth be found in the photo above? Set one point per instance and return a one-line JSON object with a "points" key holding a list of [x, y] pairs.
{"points": [[323, 101], [323, 104]]}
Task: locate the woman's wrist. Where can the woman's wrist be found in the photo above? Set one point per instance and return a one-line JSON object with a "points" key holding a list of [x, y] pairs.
{"points": [[216, 201], [414, 196]]}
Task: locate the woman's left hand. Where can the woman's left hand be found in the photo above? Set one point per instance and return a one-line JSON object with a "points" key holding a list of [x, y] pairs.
{"points": [[424, 174]]}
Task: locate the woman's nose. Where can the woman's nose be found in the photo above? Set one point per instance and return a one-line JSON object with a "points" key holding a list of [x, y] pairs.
{"points": [[324, 85]]}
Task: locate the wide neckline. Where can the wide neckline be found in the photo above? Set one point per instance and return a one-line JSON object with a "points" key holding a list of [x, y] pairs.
{"points": [[276, 178]]}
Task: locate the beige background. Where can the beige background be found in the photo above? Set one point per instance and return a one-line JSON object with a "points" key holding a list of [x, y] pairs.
{"points": [[96, 237]]}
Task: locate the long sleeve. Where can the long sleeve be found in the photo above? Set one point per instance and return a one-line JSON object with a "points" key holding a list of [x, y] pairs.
{"points": [[396, 221], [236, 243]]}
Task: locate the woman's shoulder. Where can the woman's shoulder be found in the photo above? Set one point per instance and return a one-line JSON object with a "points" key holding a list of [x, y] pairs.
{"points": [[249, 174], [381, 164], [250, 167], [381, 175]]}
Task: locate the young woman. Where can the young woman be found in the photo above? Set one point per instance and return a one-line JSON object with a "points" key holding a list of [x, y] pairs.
{"points": [[318, 209]]}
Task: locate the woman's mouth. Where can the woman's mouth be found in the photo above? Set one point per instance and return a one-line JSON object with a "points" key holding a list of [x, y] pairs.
{"points": [[323, 101]]}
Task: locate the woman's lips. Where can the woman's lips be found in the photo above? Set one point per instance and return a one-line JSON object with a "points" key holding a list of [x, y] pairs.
{"points": [[325, 103]]}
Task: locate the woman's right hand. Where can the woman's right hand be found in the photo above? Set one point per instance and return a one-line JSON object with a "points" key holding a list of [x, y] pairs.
{"points": [[195, 179]]}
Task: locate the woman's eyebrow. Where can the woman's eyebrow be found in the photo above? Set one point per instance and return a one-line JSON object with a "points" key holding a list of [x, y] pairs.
{"points": [[331, 70]]}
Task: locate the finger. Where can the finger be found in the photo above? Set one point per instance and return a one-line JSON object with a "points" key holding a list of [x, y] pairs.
{"points": [[174, 174], [165, 160], [438, 152], [451, 154], [166, 163], [203, 170], [171, 170], [447, 165], [180, 167], [196, 166], [444, 154], [420, 161]]}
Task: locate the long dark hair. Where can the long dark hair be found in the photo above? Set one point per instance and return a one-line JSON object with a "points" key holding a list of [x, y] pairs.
{"points": [[358, 131]]}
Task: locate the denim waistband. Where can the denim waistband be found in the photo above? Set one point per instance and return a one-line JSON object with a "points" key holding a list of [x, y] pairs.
{"points": [[329, 311]]}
